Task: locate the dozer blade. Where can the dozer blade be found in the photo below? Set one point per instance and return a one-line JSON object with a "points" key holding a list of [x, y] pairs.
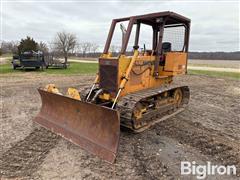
{"points": [[92, 127]]}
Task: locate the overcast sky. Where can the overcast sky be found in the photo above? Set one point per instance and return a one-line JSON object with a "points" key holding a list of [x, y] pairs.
{"points": [[214, 25]]}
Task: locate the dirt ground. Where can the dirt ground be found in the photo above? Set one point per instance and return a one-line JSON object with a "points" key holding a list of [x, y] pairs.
{"points": [[208, 130], [215, 63]]}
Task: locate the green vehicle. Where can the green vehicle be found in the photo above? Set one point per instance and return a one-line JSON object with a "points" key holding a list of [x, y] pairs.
{"points": [[29, 59]]}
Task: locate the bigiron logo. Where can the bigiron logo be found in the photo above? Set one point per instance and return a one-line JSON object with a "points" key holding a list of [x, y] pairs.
{"points": [[202, 171]]}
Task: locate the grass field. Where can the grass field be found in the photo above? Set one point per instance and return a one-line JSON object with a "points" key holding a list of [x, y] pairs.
{"points": [[74, 68], [213, 65], [234, 75], [91, 68], [8, 55]]}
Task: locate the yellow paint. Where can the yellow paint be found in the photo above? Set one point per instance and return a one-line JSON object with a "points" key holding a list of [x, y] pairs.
{"points": [[136, 72], [51, 88], [176, 62], [105, 96], [73, 93]]}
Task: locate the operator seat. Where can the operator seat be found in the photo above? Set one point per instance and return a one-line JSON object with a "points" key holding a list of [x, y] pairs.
{"points": [[166, 47]]}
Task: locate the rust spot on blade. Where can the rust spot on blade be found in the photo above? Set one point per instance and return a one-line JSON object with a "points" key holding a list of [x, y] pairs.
{"points": [[92, 127]]}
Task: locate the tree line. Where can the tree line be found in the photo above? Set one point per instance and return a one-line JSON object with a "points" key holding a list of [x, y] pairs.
{"points": [[65, 44]]}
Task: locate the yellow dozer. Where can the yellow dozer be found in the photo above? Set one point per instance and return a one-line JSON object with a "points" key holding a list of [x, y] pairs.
{"points": [[133, 88]]}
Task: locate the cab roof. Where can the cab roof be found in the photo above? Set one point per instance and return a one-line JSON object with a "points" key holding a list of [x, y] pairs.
{"points": [[153, 18]]}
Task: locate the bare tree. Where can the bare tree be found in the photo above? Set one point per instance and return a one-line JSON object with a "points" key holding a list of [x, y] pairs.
{"points": [[94, 48], [65, 43], [85, 48], [43, 47], [114, 49], [9, 47]]}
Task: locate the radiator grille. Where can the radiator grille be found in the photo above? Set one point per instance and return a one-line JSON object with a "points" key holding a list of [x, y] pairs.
{"points": [[109, 77]]}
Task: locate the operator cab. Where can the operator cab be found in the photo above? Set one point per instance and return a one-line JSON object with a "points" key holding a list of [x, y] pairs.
{"points": [[161, 41], [158, 31], [156, 36]]}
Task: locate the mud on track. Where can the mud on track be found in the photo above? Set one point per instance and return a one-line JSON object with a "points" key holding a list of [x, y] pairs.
{"points": [[208, 130]]}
